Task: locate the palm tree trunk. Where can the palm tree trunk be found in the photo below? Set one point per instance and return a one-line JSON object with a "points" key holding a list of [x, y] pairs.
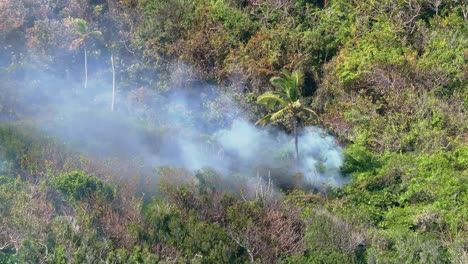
{"points": [[296, 140], [85, 66], [113, 83]]}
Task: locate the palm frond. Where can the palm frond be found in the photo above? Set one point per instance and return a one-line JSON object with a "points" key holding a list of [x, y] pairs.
{"points": [[81, 26], [278, 114], [289, 84], [296, 85], [286, 97], [306, 109], [271, 100], [264, 120], [95, 33], [279, 83], [76, 43]]}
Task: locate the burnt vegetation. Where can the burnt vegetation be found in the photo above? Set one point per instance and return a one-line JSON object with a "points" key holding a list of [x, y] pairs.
{"points": [[127, 131]]}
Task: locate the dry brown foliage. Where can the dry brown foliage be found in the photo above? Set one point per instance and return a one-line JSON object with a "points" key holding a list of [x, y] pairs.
{"points": [[276, 231]]}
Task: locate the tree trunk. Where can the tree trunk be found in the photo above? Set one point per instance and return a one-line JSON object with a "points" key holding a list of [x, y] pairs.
{"points": [[296, 140], [113, 83], [85, 66]]}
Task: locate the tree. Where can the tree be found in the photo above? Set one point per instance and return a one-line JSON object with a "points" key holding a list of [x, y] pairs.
{"points": [[12, 16], [285, 101], [81, 28], [113, 83]]}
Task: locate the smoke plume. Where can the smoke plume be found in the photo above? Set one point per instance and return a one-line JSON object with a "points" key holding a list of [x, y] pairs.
{"points": [[197, 128]]}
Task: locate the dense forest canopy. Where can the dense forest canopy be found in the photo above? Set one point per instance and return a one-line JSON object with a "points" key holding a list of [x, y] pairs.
{"points": [[128, 131]]}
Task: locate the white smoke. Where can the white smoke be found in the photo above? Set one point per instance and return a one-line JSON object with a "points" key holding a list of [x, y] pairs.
{"points": [[193, 129]]}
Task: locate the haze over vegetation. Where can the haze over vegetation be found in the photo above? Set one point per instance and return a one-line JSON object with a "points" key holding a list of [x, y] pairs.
{"points": [[131, 131]]}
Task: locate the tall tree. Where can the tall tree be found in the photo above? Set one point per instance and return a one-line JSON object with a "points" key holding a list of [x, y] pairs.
{"points": [[113, 83], [285, 101], [81, 28]]}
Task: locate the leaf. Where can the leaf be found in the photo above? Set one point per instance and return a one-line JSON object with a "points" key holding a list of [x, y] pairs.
{"points": [[264, 120], [81, 26], [279, 83], [278, 114], [76, 43], [95, 33], [309, 111], [289, 84], [271, 100]]}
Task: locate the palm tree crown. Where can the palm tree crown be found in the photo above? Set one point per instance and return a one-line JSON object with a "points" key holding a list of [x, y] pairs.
{"points": [[81, 28]]}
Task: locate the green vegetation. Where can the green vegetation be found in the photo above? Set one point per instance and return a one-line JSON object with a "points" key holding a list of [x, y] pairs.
{"points": [[387, 78], [77, 185]]}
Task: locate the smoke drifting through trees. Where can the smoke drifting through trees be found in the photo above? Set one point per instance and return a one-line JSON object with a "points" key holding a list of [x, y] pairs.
{"points": [[197, 128]]}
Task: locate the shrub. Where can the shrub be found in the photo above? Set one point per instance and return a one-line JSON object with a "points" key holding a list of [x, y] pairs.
{"points": [[77, 185]]}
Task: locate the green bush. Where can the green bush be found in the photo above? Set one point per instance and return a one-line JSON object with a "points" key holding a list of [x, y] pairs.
{"points": [[196, 240], [77, 185], [359, 159]]}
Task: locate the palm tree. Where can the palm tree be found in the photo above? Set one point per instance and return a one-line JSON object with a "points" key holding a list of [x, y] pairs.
{"points": [[285, 101], [81, 28]]}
